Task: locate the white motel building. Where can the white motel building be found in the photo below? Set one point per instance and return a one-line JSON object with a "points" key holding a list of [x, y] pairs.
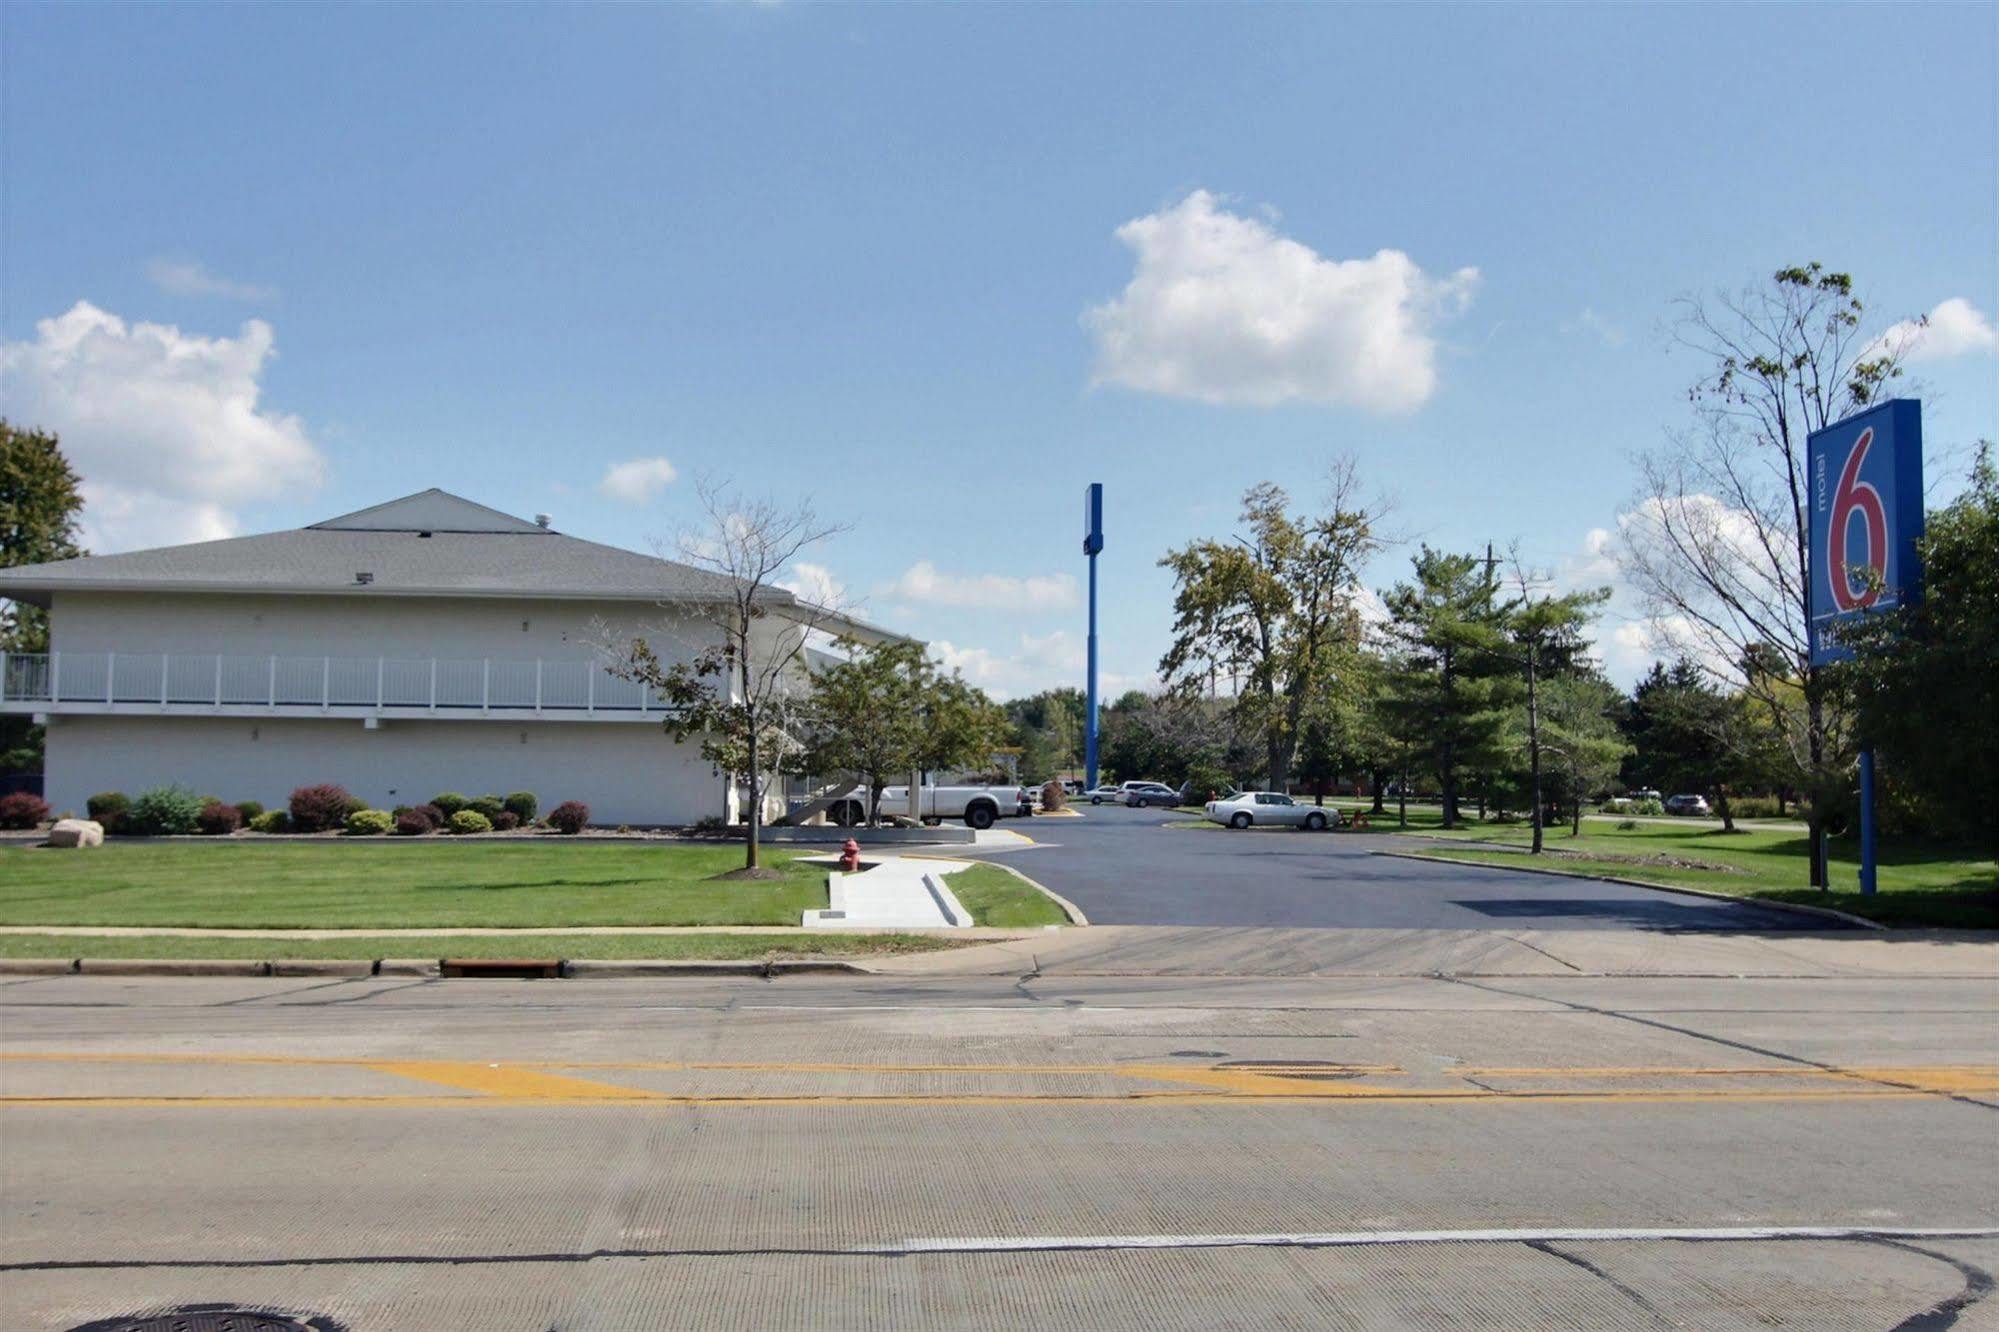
{"points": [[426, 644]]}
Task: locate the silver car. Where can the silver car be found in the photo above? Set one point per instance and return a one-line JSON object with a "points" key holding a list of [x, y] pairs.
{"points": [[1251, 808], [1141, 794]]}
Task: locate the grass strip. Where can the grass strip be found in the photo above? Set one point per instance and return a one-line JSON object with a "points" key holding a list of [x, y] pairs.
{"points": [[596, 947], [998, 897]]}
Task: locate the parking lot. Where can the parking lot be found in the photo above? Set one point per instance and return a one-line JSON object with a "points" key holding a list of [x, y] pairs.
{"points": [[1134, 867]]}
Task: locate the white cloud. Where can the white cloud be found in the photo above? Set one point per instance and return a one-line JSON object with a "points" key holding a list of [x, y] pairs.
{"points": [[1955, 328], [814, 583], [924, 583], [1046, 661], [1589, 321], [1223, 309], [637, 481], [163, 426], [182, 277]]}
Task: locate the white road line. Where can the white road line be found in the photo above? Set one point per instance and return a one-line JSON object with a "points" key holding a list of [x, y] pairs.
{"points": [[1358, 1238]]}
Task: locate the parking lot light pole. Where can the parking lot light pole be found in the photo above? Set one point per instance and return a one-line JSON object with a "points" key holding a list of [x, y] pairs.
{"points": [[1093, 542]]}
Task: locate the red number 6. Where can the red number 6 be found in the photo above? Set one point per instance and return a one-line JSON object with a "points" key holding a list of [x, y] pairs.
{"points": [[1855, 495]]}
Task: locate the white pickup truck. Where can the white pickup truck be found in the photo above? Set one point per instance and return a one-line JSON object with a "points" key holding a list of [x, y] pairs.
{"points": [[978, 806]]}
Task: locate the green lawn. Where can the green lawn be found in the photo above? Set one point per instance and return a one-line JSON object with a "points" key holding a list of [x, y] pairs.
{"points": [[997, 897], [1920, 884], [596, 947], [348, 884]]}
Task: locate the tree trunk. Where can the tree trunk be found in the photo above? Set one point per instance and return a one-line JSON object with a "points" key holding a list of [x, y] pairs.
{"points": [[1534, 751], [1402, 797], [1576, 807], [1319, 792], [1374, 776], [1815, 821], [1721, 806]]}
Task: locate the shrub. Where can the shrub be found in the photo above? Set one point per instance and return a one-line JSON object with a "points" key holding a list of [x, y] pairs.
{"points": [[272, 821], [1053, 796], [412, 823], [164, 811], [1756, 807], [1653, 807], [369, 822], [219, 820], [506, 821], [355, 804], [249, 809], [318, 808], [436, 816], [571, 816], [22, 810], [108, 808], [523, 806], [489, 805], [467, 821], [450, 802], [1627, 825]]}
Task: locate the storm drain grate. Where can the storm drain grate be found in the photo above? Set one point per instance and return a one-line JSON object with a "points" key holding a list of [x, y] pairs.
{"points": [[500, 968], [213, 1318]]}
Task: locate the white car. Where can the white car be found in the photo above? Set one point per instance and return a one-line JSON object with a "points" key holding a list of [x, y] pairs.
{"points": [[1097, 795], [1141, 794], [1246, 809]]}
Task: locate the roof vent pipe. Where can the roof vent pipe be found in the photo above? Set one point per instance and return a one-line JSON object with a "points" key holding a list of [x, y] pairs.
{"points": [[542, 520]]}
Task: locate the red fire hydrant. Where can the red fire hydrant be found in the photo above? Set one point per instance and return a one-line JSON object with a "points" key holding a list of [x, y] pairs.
{"points": [[850, 856]]}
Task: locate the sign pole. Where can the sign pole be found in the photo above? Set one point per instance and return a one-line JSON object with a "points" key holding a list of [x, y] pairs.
{"points": [[1093, 542], [1866, 820]]}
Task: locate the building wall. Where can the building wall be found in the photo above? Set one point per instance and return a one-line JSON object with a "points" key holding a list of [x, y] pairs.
{"points": [[357, 625], [626, 773]]}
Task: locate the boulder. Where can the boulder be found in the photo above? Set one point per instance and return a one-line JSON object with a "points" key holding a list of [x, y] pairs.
{"points": [[76, 832]]}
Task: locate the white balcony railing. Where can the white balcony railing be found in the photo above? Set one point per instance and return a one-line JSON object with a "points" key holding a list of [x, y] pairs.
{"points": [[431, 684]]}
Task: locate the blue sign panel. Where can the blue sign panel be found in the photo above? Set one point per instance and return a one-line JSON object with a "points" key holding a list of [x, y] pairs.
{"points": [[1093, 518], [1865, 515]]}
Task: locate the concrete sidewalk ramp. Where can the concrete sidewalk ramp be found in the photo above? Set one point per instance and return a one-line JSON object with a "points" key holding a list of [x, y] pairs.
{"points": [[893, 894]]}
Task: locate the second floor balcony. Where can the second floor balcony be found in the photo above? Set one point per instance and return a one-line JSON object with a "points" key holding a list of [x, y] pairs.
{"points": [[67, 682]]}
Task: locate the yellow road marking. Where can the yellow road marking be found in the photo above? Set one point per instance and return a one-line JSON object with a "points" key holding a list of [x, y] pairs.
{"points": [[535, 1082]]}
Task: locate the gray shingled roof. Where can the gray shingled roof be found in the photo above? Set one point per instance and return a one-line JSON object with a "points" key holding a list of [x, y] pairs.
{"points": [[469, 550]]}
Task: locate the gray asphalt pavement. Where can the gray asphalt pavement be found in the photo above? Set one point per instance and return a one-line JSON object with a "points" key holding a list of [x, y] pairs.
{"points": [[1126, 867], [1516, 1152]]}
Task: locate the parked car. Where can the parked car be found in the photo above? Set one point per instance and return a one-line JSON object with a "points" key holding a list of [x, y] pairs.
{"points": [[1099, 794], [1141, 794], [1687, 804], [978, 806], [1247, 808], [1646, 794]]}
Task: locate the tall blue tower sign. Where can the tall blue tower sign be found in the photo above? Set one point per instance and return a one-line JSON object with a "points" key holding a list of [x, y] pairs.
{"points": [[1093, 542]]}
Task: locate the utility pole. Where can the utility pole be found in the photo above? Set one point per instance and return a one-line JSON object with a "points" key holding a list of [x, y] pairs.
{"points": [[1093, 543]]}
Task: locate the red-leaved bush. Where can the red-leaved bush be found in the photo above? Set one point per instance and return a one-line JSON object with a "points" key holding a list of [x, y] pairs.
{"points": [[571, 816], [219, 820], [318, 808], [22, 810], [412, 823]]}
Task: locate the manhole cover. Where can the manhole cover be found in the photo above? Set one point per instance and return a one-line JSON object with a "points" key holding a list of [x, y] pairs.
{"points": [[213, 1318]]}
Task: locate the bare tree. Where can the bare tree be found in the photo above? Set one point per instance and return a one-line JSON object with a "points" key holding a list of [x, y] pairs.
{"points": [[1718, 542], [737, 681]]}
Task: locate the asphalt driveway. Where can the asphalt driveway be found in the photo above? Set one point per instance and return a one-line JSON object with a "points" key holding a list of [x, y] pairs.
{"points": [[1125, 867]]}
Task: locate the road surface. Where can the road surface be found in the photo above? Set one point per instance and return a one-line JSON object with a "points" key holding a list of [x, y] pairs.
{"points": [[1528, 1150]]}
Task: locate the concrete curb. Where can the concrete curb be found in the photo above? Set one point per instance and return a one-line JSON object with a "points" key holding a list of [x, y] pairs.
{"points": [[1070, 909], [1824, 913], [421, 967]]}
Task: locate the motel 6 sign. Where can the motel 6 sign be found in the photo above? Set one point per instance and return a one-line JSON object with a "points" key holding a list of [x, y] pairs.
{"points": [[1865, 516]]}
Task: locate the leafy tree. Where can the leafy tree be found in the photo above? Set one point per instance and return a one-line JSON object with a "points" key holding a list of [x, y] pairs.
{"points": [[1049, 728], [1717, 544], [1273, 611], [1544, 635], [40, 498], [1449, 696], [1579, 719], [1688, 735], [736, 682], [1923, 675], [864, 717]]}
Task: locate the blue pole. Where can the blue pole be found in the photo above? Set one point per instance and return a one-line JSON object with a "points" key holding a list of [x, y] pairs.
{"points": [[1866, 820], [1090, 724]]}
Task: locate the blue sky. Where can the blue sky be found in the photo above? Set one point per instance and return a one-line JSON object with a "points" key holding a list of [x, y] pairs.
{"points": [[851, 253]]}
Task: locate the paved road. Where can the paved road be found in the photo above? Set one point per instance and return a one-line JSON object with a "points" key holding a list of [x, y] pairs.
{"points": [[1124, 867], [1517, 1152]]}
